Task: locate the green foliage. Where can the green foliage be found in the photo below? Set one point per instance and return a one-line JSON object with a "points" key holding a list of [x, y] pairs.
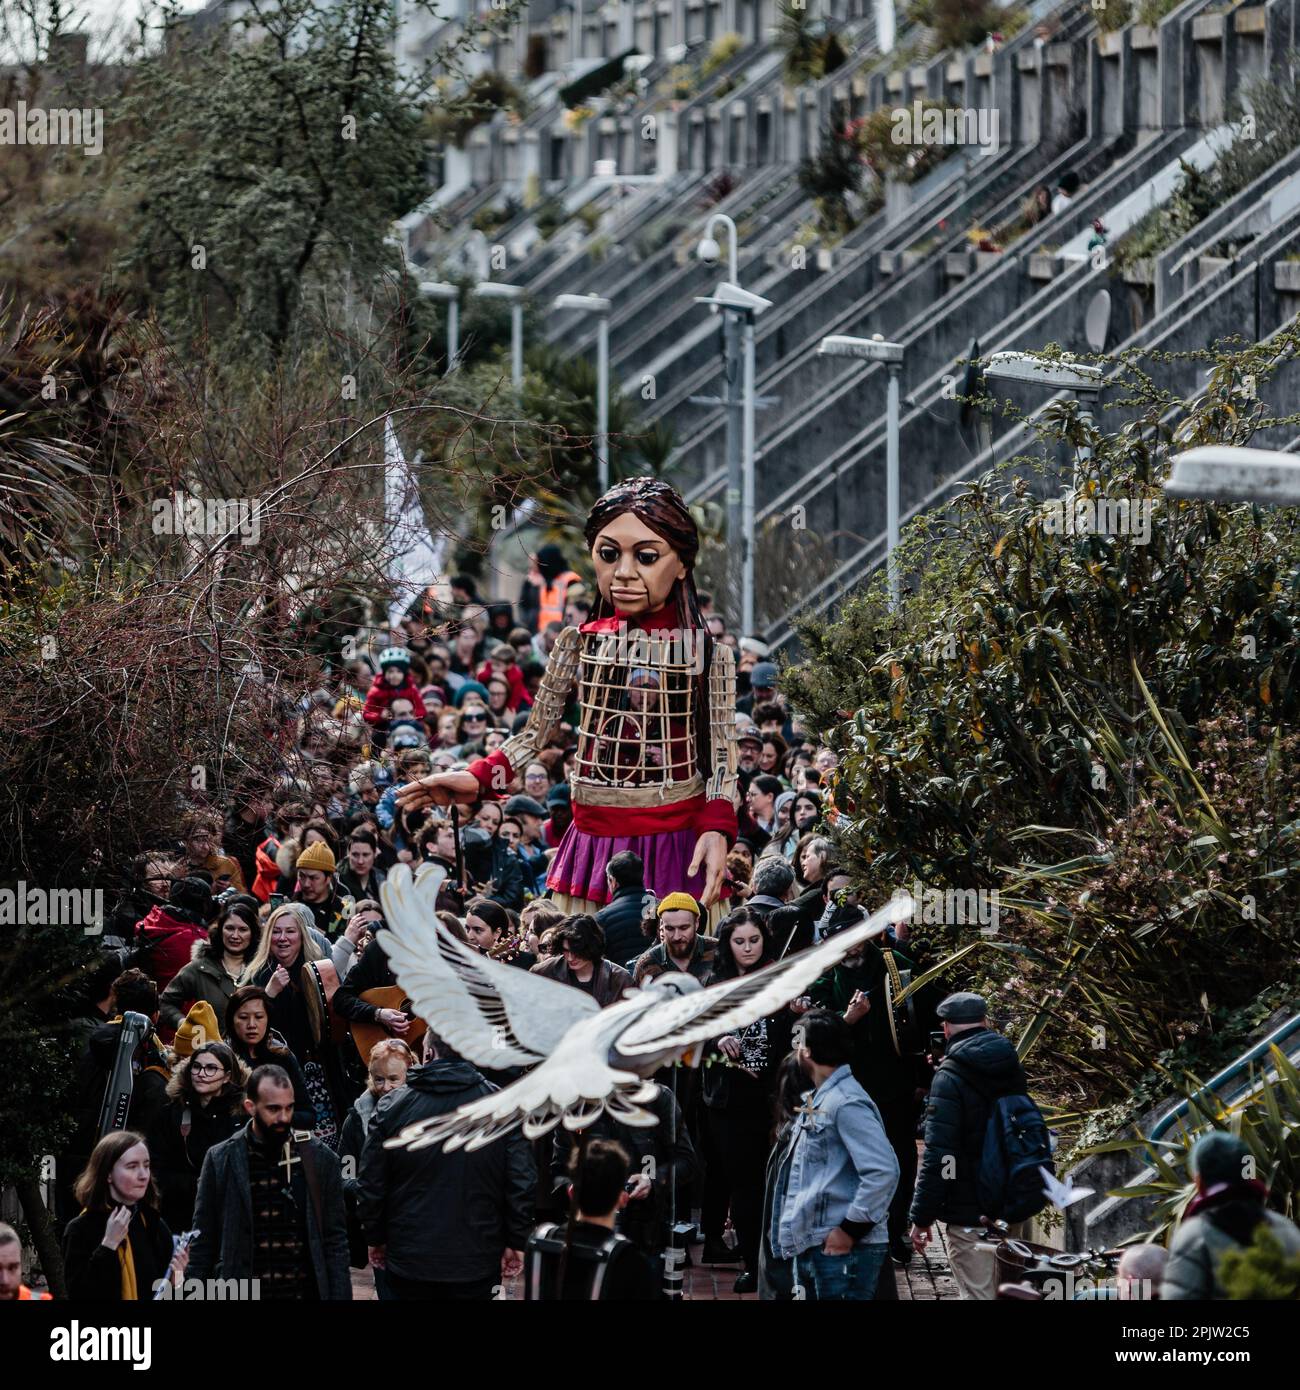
{"points": [[833, 176], [963, 23], [721, 51], [810, 50], [1262, 1271], [265, 168], [486, 94], [1270, 131], [890, 148], [549, 217], [1101, 730], [1267, 1120]]}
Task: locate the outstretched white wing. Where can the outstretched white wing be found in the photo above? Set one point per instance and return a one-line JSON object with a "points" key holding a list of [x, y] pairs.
{"points": [[493, 1014], [708, 1013]]}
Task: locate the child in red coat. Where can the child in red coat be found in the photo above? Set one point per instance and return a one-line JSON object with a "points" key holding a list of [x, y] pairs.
{"points": [[394, 682]]}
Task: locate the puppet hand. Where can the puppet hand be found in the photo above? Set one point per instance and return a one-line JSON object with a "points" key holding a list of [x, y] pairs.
{"points": [[711, 858]]}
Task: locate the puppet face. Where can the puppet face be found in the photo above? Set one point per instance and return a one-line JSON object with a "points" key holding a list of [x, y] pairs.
{"points": [[635, 567]]}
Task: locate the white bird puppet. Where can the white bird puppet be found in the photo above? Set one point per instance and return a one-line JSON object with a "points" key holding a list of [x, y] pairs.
{"points": [[585, 1060]]}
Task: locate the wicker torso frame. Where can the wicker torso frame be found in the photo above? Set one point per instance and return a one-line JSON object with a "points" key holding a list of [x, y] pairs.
{"points": [[638, 729]]}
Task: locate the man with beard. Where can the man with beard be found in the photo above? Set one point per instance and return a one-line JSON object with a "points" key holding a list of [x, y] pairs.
{"points": [[831, 1199], [270, 1205], [317, 889], [681, 947]]}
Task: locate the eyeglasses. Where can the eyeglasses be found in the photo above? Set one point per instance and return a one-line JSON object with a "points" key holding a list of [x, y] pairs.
{"points": [[207, 1071]]}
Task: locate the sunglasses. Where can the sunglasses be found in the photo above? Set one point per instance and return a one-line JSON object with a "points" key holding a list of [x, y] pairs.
{"points": [[475, 719]]}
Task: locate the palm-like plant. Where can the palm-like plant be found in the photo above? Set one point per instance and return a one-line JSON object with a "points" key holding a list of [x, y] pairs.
{"points": [[1267, 1120]]}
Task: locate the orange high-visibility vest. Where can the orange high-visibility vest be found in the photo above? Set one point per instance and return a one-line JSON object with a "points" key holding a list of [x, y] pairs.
{"points": [[550, 607]]}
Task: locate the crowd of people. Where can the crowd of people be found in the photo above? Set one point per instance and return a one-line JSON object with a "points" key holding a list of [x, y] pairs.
{"points": [[281, 1053]]}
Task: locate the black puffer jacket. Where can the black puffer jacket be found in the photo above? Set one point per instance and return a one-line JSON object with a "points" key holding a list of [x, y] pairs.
{"points": [[977, 1068], [443, 1217], [620, 920]]}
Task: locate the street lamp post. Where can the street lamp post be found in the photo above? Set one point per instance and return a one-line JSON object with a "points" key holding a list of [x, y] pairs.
{"points": [[448, 294], [875, 349], [1028, 368], [594, 304], [1224, 473], [514, 296], [741, 308]]}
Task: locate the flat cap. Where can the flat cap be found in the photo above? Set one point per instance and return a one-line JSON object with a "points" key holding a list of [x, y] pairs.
{"points": [[525, 806], [963, 1008]]}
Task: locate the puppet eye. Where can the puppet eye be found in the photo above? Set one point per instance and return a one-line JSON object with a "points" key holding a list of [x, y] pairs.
{"points": [[648, 557]]}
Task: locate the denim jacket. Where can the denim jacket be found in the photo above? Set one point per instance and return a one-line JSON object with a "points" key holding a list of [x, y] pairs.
{"points": [[840, 1168]]}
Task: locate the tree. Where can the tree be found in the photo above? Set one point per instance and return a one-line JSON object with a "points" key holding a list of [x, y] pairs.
{"points": [[1097, 726]]}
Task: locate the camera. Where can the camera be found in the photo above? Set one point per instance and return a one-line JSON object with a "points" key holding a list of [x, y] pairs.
{"points": [[937, 1042]]}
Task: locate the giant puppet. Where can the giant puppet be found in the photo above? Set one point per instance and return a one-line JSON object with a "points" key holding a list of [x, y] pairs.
{"points": [[655, 764]]}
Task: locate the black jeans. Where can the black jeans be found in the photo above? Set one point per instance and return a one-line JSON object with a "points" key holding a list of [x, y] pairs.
{"points": [[429, 1291], [741, 1140]]}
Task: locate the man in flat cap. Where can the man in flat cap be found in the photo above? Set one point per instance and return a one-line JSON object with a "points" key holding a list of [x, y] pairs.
{"points": [[979, 1066]]}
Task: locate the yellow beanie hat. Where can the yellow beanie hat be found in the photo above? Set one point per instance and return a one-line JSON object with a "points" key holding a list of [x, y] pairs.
{"points": [[198, 1027], [317, 856], [678, 902]]}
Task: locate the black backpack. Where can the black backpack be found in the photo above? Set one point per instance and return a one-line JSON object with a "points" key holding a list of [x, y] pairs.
{"points": [[586, 1265], [1016, 1146]]}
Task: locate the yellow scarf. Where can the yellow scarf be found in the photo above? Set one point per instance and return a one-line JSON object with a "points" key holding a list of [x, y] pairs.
{"points": [[126, 1263]]}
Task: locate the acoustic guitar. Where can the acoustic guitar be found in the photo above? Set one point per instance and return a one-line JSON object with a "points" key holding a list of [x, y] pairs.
{"points": [[367, 1036]]}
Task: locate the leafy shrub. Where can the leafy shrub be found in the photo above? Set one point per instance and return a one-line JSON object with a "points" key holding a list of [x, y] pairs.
{"points": [[1271, 131], [963, 23], [810, 50], [1103, 730], [906, 161], [721, 51], [486, 94]]}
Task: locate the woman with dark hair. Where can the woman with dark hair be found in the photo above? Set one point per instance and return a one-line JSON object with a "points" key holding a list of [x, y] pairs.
{"points": [[489, 929], [119, 1247], [740, 1083], [806, 811], [205, 1105], [215, 966], [254, 1042], [655, 767]]}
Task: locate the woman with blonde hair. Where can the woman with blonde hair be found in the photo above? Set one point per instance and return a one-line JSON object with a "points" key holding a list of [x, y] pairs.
{"points": [[300, 981], [119, 1247]]}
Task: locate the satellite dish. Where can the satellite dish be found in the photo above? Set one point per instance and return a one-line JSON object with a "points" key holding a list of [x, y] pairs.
{"points": [[886, 25], [1097, 321]]}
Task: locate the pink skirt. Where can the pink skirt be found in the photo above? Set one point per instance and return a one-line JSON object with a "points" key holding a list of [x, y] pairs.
{"points": [[578, 870]]}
